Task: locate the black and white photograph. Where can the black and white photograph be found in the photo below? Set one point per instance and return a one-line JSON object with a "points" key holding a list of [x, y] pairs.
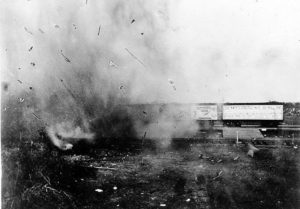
{"points": [[150, 104]]}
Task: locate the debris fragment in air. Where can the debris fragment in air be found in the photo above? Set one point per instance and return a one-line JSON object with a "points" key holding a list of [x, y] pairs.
{"points": [[66, 59], [142, 33], [30, 48], [188, 199], [19, 81], [75, 27], [30, 87], [28, 31], [132, 21], [32, 63], [41, 30], [115, 188], [171, 81], [172, 84], [112, 64], [56, 26], [162, 205], [36, 116], [5, 86], [99, 30], [135, 57], [21, 99]]}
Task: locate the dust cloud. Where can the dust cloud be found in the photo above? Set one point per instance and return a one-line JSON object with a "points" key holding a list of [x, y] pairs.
{"points": [[72, 66]]}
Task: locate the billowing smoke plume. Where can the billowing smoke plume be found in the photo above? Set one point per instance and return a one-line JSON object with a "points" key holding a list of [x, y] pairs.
{"points": [[83, 60]]}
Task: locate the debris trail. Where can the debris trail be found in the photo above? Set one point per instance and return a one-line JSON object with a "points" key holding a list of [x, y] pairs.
{"points": [[28, 31], [99, 30], [36, 116], [69, 90], [67, 59], [78, 101], [135, 57]]}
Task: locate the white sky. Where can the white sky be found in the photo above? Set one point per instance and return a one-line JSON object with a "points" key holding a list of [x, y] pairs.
{"points": [[246, 50], [231, 51]]}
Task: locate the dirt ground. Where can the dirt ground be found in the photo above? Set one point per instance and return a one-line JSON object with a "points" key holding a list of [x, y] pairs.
{"points": [[183, 175]]}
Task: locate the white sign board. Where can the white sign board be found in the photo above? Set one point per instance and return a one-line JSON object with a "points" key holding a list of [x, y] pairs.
{"points": [[253, 112], [204, 112]]}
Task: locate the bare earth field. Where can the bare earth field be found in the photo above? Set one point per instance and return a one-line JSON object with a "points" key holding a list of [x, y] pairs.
{"points": [[184, 175]]}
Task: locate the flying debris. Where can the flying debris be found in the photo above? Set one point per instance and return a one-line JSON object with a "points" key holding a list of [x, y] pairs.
{"points": [[112, 64], [28, 31], [132, 21], [66, 59], [251, 150], [142, 33], [30, 48], [36, 116], [56, 26], [75, 27], [135, 57], [21, 99], [99, 30], [30, 87], [41, 30], [33, 64], [19, 81], [171, 81], [172, 84]]}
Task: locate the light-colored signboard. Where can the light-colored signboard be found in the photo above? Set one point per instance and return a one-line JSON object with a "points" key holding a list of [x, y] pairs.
{"points": [[204, 112], [252, 112]]}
